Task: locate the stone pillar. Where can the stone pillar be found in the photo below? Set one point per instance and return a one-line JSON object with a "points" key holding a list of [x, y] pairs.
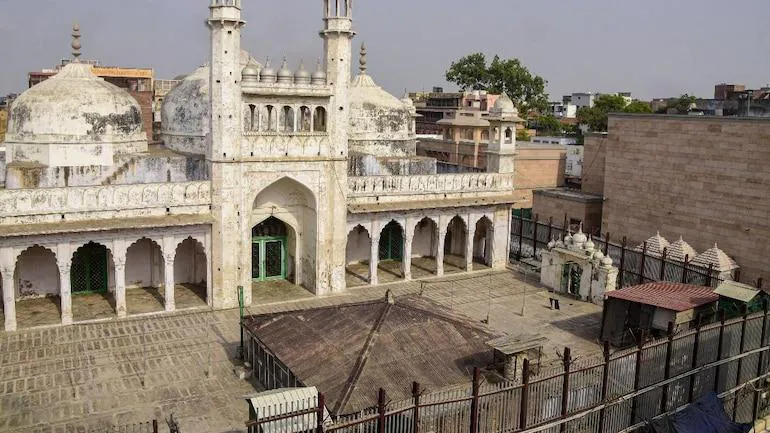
{"points": [[440, 251], [119, 260], [406, 263], [9, 298], [374, 259], [169, 284], [469, 247], [66, 291], [209, 274]]}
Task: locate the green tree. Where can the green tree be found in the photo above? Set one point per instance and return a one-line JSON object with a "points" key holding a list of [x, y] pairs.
{"points": [[522, 135], [596, 117], [548, 125], [508, 76], [683, 105], [638, 107]]}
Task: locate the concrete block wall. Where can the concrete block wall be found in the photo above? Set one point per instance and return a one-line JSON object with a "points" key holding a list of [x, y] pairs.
{"points": [[704, 178]]}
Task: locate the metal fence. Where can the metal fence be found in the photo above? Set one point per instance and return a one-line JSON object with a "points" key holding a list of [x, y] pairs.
{"points": [[529, 238], [611, 393]]}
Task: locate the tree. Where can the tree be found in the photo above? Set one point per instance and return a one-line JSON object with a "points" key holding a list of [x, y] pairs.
{"points": [[522, 135], [638, 107], [508, 76], [548, 125], [684, 104]]}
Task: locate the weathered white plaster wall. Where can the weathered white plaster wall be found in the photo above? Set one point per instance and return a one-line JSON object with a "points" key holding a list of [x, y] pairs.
{"points": [[425, 240], [359, 246], [144, 265], [190, 263], [36, 273]]}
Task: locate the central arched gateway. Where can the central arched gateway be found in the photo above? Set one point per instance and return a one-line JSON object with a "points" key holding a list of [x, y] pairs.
{"points": [[269, 250], [284, 232]]}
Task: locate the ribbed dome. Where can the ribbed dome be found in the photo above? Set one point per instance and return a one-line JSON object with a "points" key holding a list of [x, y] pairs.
{"points": [[504, 104], [74, 107], [284, 74], [268, 73], [250, 70], [319, 76], [302, 76]]}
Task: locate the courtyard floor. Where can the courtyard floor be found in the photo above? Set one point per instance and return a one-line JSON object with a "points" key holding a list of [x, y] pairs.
{"points": [[115, 373]]}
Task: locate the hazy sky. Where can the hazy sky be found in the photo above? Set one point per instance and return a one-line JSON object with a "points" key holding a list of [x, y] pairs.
{"points": [[652, 48]]}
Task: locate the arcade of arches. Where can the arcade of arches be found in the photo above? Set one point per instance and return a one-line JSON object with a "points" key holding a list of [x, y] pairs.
{"points": [[417, 247], [85, 278]]}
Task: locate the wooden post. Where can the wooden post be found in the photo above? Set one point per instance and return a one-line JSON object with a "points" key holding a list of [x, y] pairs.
{"points": [[524, 395], [662, 276], [622, 262], [381, 411], [745, 313], [641, 263], [695, 349], [684, 268], [320, 414], [637, 374], [719, 348], [605, 383], [416, 411], [534, 235], [475, 401], [607, 245], [565, 388], [667, 367], [761, 361]]}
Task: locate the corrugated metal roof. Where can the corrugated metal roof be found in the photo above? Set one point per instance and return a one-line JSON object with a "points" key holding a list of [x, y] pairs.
{"points": [[282, 401], [671, 296], [735, 290]]}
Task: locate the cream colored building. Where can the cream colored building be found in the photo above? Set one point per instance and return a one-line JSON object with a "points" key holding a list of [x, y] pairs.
{"points": [[308, 176]]}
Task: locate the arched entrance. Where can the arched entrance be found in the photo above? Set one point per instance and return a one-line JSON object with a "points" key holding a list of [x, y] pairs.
{"points": [[38, 292], [455, 246], [425, 248], [392, 242], [357, 257], [482, 243], [145, 277], [190, 275], [269, 251], [92, 281], [572, 274]]}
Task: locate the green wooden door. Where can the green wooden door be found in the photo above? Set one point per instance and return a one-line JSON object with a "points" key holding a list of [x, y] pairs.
{"points": [[89, 273], [392, 242], [268, 259]]}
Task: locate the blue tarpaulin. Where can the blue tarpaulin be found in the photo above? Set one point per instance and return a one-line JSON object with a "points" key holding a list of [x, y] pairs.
{"points": [[706, 415]]}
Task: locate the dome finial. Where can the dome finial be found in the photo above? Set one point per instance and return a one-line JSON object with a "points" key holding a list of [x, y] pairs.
{"points": [[362, 59], [76, 46]]}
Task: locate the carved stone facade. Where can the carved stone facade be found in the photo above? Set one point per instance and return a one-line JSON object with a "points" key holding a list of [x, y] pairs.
{"points": [[266, 190]]}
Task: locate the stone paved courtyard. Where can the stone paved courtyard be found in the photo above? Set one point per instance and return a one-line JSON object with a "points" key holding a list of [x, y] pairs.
{"points": [[66, 379]]}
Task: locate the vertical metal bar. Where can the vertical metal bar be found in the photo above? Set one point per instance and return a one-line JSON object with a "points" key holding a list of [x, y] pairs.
{"points": [[605, 383], [381, 411], [710, 273], [524, 395], [694, 365], [745, 313], [565, 388], [240, 308], [761, 361], [319, 417], [416, 402], [550, 229], [641, 263], [667, 367], [155, 426], [475, 401], [637, 374], [622, 262], [607, 244], [684, 268], [759, 283], [521, 236], [719, 348], [662, 276], [534, 235]]}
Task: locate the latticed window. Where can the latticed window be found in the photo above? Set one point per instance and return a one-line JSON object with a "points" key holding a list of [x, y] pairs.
{"points": [[271, 227]]}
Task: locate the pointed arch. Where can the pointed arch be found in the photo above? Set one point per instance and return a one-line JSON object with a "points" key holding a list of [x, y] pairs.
{"points": [[190, 274], [37, 287], [145, 276], [483, 239], [319, 119]]}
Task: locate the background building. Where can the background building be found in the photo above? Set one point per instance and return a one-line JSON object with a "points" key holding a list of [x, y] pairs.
{"points": [[437, 105]]}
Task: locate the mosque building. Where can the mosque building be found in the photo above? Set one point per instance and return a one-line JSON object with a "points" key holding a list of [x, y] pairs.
{"points": [[302, 174]]}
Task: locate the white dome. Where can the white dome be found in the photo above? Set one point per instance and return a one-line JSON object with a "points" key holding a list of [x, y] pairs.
{"points": [[74, 107], [504, 104], [185, 114], [376, 115]]}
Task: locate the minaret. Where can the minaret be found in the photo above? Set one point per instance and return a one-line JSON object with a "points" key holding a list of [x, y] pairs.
{"points": [[225, 92], [224, 148], [501, 149], [338, 37]]}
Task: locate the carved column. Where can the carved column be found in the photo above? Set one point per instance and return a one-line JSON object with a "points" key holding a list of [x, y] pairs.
{"points": [[119, 260], [65, 289], [374, 259], [168, 273], [440, 250], [406, 262], [9, 298]]}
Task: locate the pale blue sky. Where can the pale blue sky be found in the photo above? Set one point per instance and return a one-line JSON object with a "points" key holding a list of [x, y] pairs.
{"points": [[652, 48]]}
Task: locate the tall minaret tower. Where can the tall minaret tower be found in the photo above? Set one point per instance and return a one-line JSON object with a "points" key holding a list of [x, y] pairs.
{"points": [[225, 91], [338, 37], [224, 148]]}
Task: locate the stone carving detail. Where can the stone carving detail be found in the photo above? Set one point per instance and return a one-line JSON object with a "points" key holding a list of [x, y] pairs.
{"points": [[436, 183], [102, 198]]}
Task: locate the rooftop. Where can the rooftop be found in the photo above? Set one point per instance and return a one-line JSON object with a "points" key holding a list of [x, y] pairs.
{"points": [[670, 296], [570, 194]]}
